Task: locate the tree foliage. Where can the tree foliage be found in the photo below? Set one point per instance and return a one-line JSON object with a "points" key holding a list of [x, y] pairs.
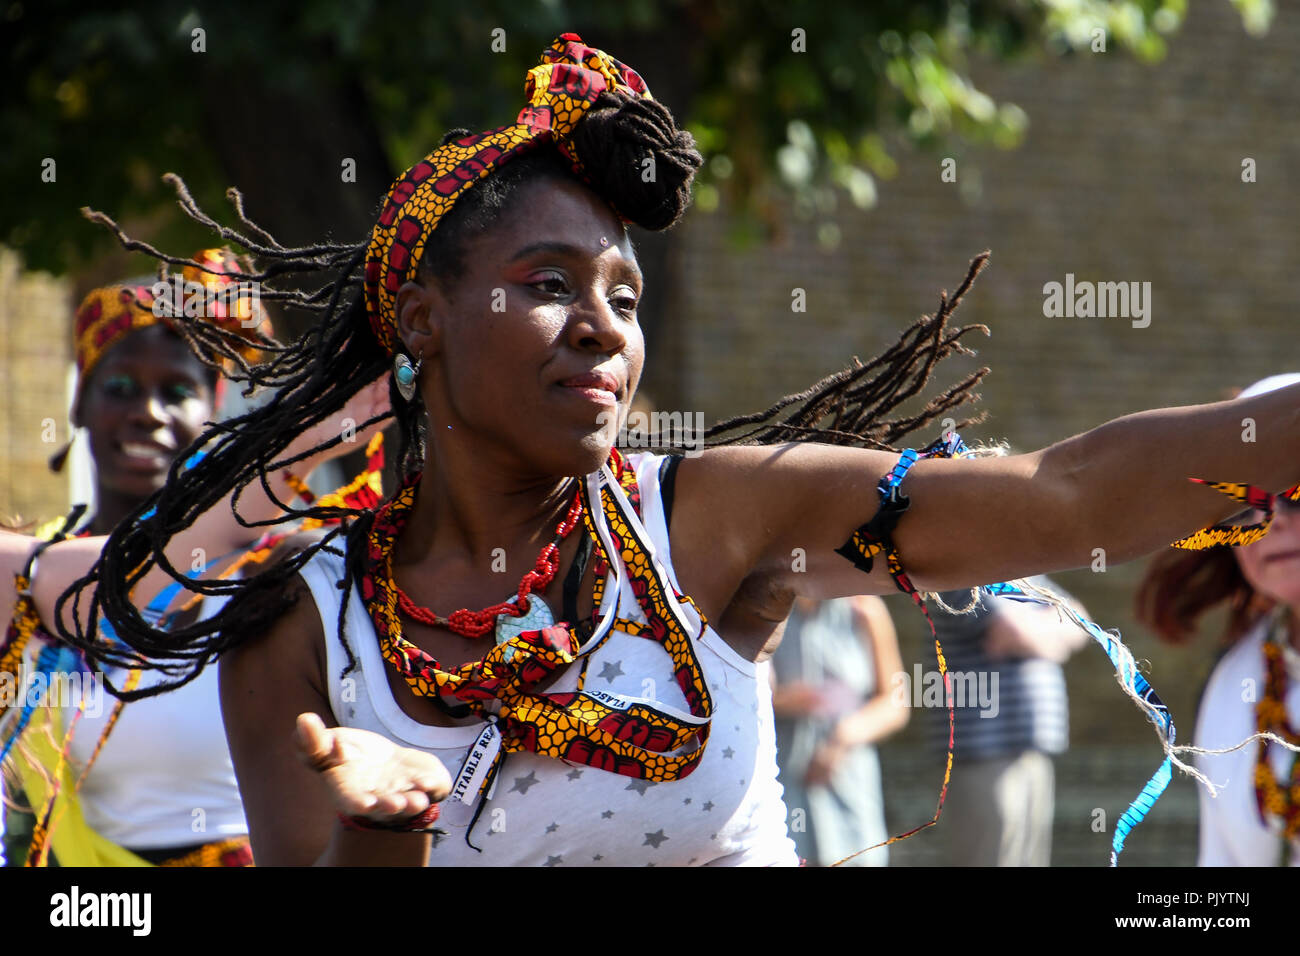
{"points": [[784, 97]]}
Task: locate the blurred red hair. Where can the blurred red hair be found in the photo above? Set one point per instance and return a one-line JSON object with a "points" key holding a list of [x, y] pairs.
{"points": [[1179, 587]]}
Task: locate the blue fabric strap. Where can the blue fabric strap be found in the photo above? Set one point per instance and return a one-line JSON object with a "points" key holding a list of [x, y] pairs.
{"points": [[1128, 674]]}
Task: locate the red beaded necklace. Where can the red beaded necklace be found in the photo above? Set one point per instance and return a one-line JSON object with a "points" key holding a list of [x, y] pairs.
{"points": [[469, 623]]}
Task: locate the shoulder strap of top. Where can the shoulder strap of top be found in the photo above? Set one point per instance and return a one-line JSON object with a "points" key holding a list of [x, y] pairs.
{"points": [[574, 579], [667, 482]]}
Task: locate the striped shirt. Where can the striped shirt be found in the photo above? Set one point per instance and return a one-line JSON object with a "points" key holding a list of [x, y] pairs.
{"points": [[1003, 706]]}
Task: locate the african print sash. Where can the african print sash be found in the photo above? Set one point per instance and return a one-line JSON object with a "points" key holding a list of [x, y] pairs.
{"points": [[234, 852], [636, 737], [1233, 535]]}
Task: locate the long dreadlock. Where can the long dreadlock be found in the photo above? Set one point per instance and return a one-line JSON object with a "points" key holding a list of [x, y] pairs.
{"points": [[850, 407], [315, 376]]}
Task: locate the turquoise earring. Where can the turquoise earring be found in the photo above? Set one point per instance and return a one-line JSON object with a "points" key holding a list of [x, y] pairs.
{"points": [[405, 375]]}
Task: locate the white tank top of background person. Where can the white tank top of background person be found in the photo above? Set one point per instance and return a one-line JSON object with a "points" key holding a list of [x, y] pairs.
{"points": [[164, 777], [1231, 832], [547, 812]]}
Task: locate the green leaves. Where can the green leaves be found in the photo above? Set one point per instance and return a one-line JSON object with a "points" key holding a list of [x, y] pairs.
{"points": [[817, 101]]}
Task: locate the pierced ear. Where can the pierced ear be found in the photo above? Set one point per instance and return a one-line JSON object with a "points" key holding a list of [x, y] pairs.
{"points": [[421, 308]]}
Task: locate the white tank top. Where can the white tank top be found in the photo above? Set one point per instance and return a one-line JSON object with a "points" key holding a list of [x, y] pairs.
{"points": [[547, 812], [1232, 833], [164, 777]]}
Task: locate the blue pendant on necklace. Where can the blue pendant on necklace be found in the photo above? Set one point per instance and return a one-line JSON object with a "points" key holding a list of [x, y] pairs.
{"points": [[536, 617]]}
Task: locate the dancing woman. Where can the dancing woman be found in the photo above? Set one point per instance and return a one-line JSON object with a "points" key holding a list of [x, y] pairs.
{"points": [[558, 651], [834, 695], [152, 782]]}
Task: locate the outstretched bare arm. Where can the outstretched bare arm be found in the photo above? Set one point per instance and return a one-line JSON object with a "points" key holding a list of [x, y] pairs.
{"points": [[780, 512]]}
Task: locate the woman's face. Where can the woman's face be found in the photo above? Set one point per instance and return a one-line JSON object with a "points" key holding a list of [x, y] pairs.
{"points": [[145, 401], [540, 352], [1272, 564]]}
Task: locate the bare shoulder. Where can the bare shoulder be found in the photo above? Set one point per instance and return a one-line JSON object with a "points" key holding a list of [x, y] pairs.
{"points": [[266, 682], [779, 512], [755, 526], [294, 543], [291, 646]]}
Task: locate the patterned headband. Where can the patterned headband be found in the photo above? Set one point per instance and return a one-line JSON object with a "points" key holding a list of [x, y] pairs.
{"points": [[109, 314], [559, 92]]}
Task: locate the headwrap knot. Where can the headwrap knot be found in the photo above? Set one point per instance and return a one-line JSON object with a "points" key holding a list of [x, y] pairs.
{"points": [[569, 79]]}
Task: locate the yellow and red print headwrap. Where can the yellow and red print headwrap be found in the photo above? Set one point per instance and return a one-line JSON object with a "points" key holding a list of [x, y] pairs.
{"points": [[109, 314], [560, 90]]}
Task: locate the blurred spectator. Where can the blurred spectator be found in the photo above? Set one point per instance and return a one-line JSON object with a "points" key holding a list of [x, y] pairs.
{"points": [[831, 678], [1012, 717]]}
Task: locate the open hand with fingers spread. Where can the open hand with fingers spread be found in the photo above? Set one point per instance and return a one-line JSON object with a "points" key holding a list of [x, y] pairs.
{"points": [[370, 776]]}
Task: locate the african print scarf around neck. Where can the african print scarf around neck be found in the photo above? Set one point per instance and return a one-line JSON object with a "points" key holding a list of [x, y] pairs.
{"points": [[631, 736]]}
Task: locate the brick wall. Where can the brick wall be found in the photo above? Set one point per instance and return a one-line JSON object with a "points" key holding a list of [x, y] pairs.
{"points": [[1127, 172], [35, 354]]}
